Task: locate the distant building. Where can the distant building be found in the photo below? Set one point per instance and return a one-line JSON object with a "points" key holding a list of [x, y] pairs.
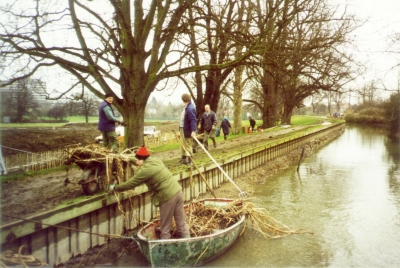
{"points": [[36, 87]]}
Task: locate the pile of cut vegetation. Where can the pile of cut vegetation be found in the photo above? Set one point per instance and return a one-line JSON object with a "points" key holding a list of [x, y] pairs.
{"points": [[112, 166], [204, 219]]}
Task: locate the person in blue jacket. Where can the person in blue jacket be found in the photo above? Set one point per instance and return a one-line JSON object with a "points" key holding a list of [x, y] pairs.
{"points": [[107, 122], [187, 129], [225, 125]]}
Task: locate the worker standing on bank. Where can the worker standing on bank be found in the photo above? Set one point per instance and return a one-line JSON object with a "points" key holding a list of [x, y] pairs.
{"points": [[225, 125], [107, 122], [167, 192], [252, 123], [187, 129], [208, 123]]}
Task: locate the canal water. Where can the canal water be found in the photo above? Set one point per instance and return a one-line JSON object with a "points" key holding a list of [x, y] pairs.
{"points": [[347, 193]]}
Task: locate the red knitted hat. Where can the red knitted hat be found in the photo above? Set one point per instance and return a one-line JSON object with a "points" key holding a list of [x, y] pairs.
{"points": [[142, 152]]}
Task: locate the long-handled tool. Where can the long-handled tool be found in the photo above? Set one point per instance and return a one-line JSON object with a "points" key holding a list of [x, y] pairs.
{"points": [[241, 193], [201, 175]]}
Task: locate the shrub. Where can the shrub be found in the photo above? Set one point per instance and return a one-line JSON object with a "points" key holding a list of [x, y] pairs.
{"points": [[370, 115], [392, 113]]}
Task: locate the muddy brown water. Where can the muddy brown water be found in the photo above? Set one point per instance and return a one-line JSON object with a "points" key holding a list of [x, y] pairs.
{"points": [[348, 194]]}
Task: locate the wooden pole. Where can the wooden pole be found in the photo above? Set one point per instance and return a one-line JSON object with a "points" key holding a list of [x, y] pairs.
{"points": [[301, 156], [201, 174]]}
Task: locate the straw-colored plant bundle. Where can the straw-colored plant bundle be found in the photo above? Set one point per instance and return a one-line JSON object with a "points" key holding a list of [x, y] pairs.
{"points": [[203, 219], [93, 156]]}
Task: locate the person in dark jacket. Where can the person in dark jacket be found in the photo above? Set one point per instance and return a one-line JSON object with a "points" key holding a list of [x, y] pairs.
{"points": [[187, 129], [167, 192], [106, 123], [225, 125], [252, 123], [208, 123]]}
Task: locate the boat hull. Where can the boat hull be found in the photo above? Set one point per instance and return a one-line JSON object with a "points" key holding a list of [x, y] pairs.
{"points": [[193, 251]]}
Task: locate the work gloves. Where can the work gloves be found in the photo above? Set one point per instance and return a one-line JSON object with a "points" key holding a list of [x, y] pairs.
{"points": [[110, 188], [213, 127]]}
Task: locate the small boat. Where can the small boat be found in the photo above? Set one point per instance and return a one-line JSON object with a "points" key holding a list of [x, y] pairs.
{"points": [[185, 252]]}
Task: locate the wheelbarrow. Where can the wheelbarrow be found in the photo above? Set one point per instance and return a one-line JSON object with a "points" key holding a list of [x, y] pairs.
{"points": [[93, 177], [96, 173]]}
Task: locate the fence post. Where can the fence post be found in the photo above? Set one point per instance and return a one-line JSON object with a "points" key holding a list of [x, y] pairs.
{"points": [[3, 169]]}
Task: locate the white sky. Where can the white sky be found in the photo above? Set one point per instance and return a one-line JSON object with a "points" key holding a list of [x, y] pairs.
{"points": [[382, 20]]}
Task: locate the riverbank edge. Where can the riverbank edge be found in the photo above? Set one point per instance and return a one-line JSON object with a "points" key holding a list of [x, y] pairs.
{"points": [[247, 182], [88, 204]]}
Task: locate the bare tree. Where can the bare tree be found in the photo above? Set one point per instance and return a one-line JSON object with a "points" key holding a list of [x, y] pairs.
{"points": [[316, 99], [57, 111], [305, 56], [225, 108], [120, 47], [368, 92], [316, 59], [272, 17], [87, 104], [338, 98], [238, 81], [73, 108], [217, 39], [20, 99]]}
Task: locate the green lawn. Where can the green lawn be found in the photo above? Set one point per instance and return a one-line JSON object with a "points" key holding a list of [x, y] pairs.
{"points": [[71, 119], [81, 119], [296, 120]]}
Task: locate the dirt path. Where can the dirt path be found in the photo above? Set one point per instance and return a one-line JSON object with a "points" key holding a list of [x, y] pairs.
{"points": [[39, 193]]}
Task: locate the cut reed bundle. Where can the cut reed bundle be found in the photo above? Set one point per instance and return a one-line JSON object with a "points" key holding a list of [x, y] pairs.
{"points": [[205, 219]]}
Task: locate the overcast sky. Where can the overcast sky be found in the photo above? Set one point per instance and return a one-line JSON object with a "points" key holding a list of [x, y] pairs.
{"points": [[382, 20]]}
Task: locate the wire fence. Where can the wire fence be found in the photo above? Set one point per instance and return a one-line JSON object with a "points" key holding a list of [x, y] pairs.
{"points": [[34, 162], [28, 162]]}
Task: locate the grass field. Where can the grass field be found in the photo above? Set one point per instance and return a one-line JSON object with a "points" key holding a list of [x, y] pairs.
{"points": [[296, 120]]}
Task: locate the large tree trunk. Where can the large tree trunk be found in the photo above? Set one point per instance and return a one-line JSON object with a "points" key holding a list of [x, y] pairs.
{"points": [[213, 94], [133, 109], [270, 100], [237, 100], [134, 126], [287, 114]]}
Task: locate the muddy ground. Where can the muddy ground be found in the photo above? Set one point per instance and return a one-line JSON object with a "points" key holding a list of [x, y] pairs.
{"points": [[36, 194]]}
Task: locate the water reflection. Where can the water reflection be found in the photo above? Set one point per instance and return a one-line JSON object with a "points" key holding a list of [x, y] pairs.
{"points": [[347, 193]]}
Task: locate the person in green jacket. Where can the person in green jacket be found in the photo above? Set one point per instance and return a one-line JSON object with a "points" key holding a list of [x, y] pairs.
{"points": [[167, 192]]}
